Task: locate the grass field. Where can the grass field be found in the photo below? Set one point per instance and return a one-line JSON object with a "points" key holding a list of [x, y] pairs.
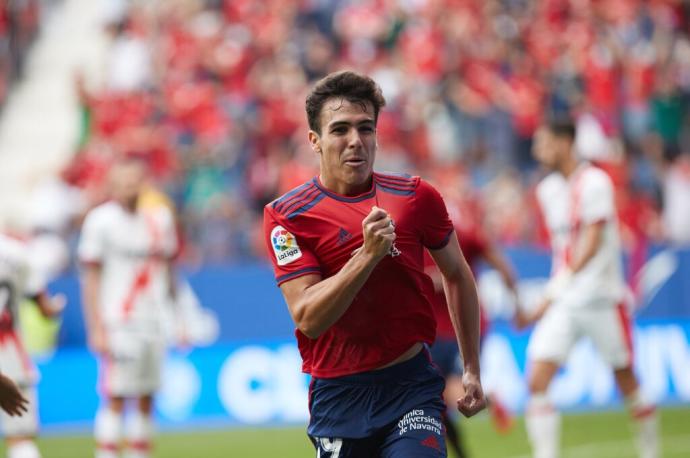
{"points": [[601, 435]]}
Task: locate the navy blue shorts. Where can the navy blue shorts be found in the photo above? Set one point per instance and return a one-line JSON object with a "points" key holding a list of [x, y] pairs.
{"points": [[388, 413], [446, 355]]}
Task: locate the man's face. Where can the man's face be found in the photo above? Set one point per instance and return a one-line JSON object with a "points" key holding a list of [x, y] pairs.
{"points": [[546, 148], [127, 180], [347, 144]]}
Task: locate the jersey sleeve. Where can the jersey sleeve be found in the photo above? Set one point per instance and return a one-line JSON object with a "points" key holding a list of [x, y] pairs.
{"points": [[91, 242], [287, 249], [436, 226], [597, 199], [35, 279]]}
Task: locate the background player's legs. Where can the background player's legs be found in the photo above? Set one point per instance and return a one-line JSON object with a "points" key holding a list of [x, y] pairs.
{"points": [[611, 331], [549, 346], [20, 432], [139, 429], [541, 417], [108, 428], [22, 448], [642, 411]]}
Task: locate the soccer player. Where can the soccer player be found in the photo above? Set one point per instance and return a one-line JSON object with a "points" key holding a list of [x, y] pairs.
{"points": [[348, 252], [585, 295], [476, 247], [127, 252], [19, 279]]}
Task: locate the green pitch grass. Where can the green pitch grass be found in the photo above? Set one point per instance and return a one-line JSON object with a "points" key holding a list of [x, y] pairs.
{"points": [[600, 435]]}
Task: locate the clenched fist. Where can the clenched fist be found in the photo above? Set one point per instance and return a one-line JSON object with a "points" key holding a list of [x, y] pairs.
{"points": [[379, 233]]}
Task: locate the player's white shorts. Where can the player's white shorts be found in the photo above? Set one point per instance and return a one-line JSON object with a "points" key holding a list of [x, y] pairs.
{"points": [[561, 327], [133, 364], [27, 424]]}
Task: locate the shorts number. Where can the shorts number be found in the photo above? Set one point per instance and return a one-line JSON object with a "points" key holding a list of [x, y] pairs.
{"points": [[329, 446]]}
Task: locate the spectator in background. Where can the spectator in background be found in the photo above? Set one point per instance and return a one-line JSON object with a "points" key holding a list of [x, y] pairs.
{"points": [[676, 212], [219, 78]]}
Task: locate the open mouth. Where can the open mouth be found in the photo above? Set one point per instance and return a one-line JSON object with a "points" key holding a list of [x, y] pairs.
{"points": [[355, 162]]}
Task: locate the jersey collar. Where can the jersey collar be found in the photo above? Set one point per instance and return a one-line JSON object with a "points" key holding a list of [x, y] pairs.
{"points": [[358, 198]]}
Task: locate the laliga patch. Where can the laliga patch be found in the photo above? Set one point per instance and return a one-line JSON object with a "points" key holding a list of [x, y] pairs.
{"points": [[284, 246]]}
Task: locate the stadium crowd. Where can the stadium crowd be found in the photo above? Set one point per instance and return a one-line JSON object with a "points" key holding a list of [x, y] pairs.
{"points": [[212, 93], [19, 24]]}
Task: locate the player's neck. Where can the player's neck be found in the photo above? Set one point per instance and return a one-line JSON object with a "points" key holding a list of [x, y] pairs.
{"points": [[129, 205], [569, 166], [345, 189]]}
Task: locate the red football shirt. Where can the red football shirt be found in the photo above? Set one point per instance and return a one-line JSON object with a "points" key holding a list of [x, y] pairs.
{"points": [[313, 230]]}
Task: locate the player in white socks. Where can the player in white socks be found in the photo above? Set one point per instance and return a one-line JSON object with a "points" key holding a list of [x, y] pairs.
{"points": [[127, 253], [586, 293], [19, 279]]}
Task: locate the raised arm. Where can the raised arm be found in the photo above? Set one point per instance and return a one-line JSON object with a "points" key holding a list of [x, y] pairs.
{"points": [[463, 306], [316, 304]]}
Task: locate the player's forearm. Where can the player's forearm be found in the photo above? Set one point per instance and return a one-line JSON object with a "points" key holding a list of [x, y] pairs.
{"points": [[44, 303], [496, 260], [592, 236], [171, 276], [323, 303], [463, 306], [90, 298]]}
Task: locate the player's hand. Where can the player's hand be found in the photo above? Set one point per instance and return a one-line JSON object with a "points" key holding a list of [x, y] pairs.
{"points": [[97, 342], [11, 399], [56, 305], [473, 400], [522, 319], [557, 284], [379, 233]]}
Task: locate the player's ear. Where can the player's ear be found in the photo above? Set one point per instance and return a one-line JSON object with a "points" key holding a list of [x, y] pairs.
{"points": [[315, 141]]}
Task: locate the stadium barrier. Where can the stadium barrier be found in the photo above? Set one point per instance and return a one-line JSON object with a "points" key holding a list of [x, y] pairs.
{"points": [[251, 375]]}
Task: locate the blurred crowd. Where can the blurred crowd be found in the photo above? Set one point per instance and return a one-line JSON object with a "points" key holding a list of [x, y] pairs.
{"points": [[212, 93], [19, 23]]}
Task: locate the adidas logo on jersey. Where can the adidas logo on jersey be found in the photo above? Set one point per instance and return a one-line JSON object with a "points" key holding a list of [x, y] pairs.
{"points": [[343, 236]]}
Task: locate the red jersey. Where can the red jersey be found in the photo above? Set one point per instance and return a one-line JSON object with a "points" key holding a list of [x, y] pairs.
{"points": [[313, 230], [473, 245]]}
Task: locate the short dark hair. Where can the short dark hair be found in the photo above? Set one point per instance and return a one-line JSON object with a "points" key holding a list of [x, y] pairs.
{"points": [[562, 127], [352, 86]]}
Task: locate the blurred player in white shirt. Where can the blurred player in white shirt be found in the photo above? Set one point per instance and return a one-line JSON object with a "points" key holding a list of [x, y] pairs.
{"points": [[19, 279], [127, 253], [586, 295]]}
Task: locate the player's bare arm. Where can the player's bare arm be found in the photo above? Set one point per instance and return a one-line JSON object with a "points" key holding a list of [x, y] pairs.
{"points": [[463, 306], [50, 306], [592, 235], [91, 279], [11, 399], [496, 260], [314, 303]]}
